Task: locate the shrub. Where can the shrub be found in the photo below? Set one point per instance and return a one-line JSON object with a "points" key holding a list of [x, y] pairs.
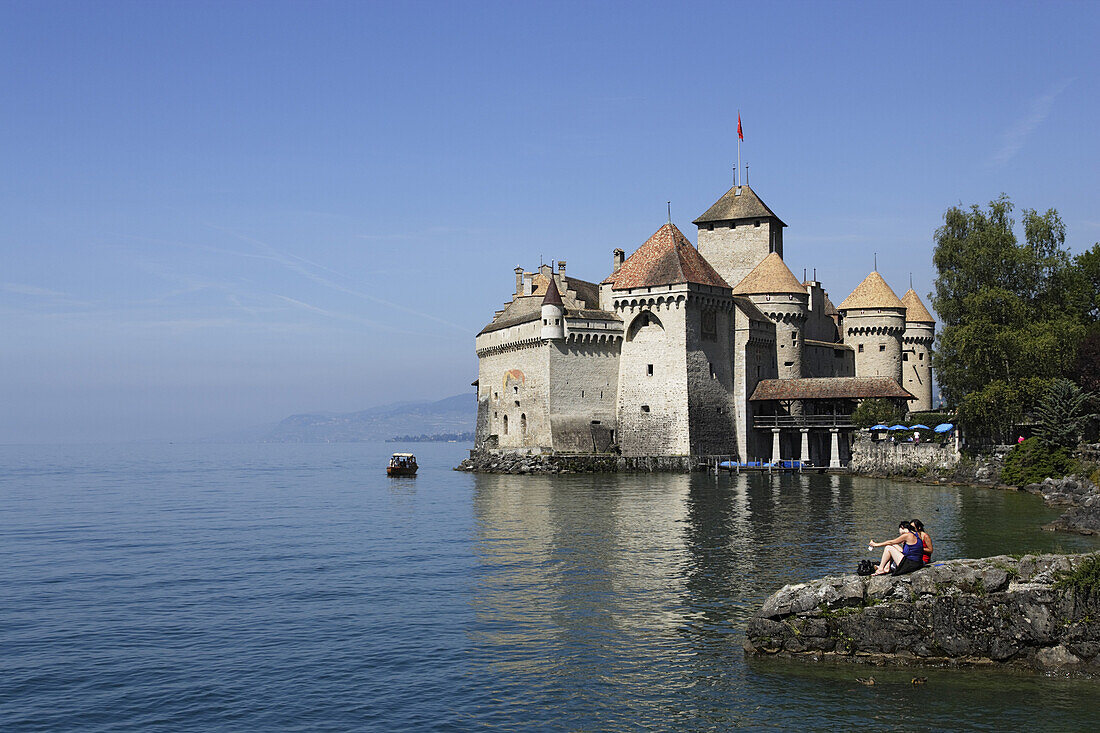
{"points": [[1032, 461], [1085, 579]]}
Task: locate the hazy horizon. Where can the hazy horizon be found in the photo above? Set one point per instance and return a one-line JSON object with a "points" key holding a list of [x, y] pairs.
{"points": [[219, 215]]}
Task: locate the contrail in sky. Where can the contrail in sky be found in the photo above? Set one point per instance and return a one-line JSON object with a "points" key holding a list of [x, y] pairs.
{"points": [[1014, 137]]}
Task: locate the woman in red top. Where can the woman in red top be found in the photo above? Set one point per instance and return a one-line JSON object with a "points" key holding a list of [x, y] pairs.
{"points": [[924, 538]]}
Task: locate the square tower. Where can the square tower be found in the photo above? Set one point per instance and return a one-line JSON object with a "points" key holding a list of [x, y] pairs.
{"points": [[737, 233]]}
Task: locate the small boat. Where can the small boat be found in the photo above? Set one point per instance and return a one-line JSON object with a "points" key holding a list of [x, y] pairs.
{"points": [[402, 464]]}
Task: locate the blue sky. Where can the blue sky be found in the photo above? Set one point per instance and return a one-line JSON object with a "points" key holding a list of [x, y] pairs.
{"points": [[214, 215]]}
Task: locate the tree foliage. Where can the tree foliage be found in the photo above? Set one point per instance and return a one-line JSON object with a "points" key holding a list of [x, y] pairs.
{"points": [[876, 411], [1014, 314], [1063, 414]]}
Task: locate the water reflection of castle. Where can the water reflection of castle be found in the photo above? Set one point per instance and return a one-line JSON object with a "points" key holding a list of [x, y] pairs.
{"points": [[715, 350]]}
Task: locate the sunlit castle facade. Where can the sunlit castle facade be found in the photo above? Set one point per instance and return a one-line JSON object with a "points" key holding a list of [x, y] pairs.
{"points": [[711, 350]]}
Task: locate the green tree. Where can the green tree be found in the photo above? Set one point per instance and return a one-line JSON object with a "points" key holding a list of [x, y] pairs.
{"points": [[1063, 414], [875, 411], [1010, 311]]}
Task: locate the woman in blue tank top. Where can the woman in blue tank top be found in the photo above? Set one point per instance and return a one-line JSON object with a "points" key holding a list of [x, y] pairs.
{"points": [[902, 554]]}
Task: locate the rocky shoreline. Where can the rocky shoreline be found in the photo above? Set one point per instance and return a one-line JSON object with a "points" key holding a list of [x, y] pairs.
{"points": [[487, 461], [1036, 612], [1080, 495]]}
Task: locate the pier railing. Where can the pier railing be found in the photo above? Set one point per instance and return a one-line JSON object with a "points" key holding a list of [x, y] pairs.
{"points": [[764, 422]]}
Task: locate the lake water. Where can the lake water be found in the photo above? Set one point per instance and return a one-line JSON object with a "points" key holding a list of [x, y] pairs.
{"points": [[296, 587]]}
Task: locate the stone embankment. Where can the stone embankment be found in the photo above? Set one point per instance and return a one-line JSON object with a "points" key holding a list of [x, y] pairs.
{"points": [[1025, 612], [483, 461], [1080, 495]]}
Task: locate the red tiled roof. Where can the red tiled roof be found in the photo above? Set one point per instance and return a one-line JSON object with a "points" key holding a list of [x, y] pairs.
{"points": [[667, 258], [829, 388]]}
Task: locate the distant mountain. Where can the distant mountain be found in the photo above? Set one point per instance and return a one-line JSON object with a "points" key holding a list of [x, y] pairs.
{"points": [[451, 415]]}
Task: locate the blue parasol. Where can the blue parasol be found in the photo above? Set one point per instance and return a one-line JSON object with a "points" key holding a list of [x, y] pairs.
{"points": [[879, 427], [918, 426], [945, 427], [897, 427]]}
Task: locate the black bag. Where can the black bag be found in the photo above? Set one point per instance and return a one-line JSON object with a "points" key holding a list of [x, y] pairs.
{"points": [[866, 567]]}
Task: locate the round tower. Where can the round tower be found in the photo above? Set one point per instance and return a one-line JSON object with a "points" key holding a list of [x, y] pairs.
{"points": [[874, 323], [916, 355], [553, 313], [776, 291]]}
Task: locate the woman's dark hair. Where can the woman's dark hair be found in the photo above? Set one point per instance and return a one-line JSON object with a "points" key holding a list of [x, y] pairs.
{"points": [[917, 525], [905, 525]]}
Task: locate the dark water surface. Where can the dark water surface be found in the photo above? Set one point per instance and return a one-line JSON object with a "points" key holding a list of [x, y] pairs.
{"points": [[295, 587]]}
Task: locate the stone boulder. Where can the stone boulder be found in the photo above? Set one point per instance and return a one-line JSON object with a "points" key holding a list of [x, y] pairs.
{"points": [[999, 610]]}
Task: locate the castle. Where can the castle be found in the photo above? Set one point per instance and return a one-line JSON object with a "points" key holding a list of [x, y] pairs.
{"points": [[715, 350]]}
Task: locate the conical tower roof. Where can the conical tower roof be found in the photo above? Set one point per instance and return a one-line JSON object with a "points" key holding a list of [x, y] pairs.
{"points": [[740, 202], [770, 276], [872, 293], [553, 297], [915, 312], [666, 258]]}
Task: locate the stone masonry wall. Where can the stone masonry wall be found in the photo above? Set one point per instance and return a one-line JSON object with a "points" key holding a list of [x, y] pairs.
{"points": [[879, 333], [711, 409], [520, 375], [734, 250], [653, 417], [882, 457], [584, 381]]}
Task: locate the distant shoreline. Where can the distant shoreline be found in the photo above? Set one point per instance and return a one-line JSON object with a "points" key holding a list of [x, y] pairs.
{"points": [[434, 438]]}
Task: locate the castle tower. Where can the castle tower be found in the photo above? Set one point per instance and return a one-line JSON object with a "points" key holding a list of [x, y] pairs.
{"points": [[776, 291], [675, 366], [738, 232], [553, 313], [916, 356], [873, 324]]}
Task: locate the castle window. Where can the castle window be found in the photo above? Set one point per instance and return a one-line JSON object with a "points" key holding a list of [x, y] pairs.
{"points": [[523, 424], [861, 348], [712, 375], [788, 363], [882, 347], [517, 403], [505, 424], [920, 356], [794, 336], [545, 322], [649, 370], [496, 395], [582, 394], [495, 415], [645, 408], [515, 390], [733, 225], [905, 356], [756, 223]]}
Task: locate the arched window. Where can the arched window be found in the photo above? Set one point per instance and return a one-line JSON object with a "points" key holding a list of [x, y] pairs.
{"points": [[505, 424], [523, 424]]}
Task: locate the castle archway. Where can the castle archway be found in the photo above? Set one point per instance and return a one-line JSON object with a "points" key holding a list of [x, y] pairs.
{"points": [[645, 327]]}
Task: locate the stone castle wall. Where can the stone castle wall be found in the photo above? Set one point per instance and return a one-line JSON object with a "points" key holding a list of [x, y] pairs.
{"points": [[711, 410], [584, 384], [917, 363], [735, 248], [653, 394], [879, 334], [516, 374]]}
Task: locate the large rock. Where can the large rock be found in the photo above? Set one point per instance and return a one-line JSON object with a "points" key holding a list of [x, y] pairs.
{"points": [[1001, 610]]}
